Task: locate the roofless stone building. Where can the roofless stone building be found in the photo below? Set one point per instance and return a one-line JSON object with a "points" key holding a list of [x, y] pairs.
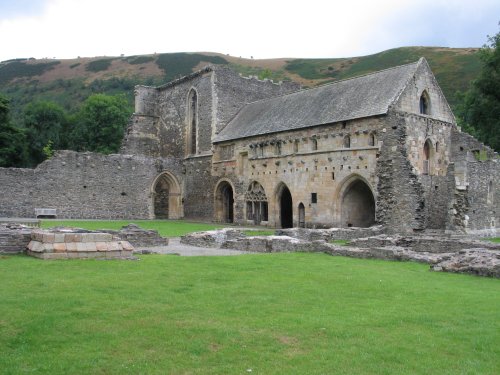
{"points": [[383, 148]]}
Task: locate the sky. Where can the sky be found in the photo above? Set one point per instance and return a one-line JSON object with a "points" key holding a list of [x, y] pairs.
{"points": [[66, 29]]}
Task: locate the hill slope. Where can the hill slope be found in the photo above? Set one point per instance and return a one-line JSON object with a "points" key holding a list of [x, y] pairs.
{"points": [[69, 82]]}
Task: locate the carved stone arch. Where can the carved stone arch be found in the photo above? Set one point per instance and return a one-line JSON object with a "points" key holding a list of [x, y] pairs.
{"points": [[192, 122], [424, 104], [224, 201], [356, 202], [256, 203], [284, 205], [166, 197]]}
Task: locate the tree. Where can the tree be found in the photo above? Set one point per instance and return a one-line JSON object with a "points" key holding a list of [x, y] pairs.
{"points": [[100, 124], [45, 123], [479, 111], [12, 139]]}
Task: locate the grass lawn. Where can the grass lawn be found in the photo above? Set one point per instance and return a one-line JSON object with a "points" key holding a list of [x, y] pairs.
{"points": [[262, 314], [166, 228]]}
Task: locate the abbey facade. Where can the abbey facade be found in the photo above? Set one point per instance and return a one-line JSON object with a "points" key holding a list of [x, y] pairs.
{"points": [[383, 148]]}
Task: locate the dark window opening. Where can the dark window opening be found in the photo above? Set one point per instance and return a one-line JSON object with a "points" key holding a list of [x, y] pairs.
{"points": [[347, 141], [314, 145], [424, 104], [314, 197]]}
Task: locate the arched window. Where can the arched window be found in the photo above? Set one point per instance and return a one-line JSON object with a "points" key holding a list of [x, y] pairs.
{"points": [[314, 144], [296, 146], [347, 141], [424, 103], [192, 121], [371, 139]]}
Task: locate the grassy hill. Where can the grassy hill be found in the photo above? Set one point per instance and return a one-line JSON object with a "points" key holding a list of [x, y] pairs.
{"points": [[69, 82]]}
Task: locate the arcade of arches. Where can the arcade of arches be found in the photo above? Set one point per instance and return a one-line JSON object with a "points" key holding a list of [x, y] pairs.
{"points": [[356, 205]]}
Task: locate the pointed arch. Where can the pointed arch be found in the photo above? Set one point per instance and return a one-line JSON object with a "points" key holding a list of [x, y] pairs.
{"points": [[424, 103], [166, 197], [285, 205], [224, 201], [357, 202], [192, 122]]}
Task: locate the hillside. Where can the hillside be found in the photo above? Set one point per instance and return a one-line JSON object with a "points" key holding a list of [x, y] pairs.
{"points": [[69, 82]]}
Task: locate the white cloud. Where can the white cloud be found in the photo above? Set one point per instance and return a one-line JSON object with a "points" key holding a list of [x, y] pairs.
{"points": [[71, 28]]}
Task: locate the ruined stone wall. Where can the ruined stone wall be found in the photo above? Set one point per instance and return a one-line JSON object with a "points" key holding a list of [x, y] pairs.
{"points": [[401, 203], [233, 91], [432, 176], [307, 161], [159, 126], [475, 177], [84, 185]]}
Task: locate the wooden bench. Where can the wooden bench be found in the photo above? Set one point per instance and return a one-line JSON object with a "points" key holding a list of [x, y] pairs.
{"points": [[45, 212]]}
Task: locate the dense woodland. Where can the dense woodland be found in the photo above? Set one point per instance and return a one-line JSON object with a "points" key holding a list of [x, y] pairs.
{"points": [[37, 118]]}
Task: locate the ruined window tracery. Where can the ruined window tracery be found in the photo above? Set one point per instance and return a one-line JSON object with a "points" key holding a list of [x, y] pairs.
{"points": [[256, 203]]}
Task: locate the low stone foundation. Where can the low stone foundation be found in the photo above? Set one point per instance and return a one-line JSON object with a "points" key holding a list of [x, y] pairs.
{"points": [[14, 238], [139, 237], [331, 233], [72, 243], [465, 256]]}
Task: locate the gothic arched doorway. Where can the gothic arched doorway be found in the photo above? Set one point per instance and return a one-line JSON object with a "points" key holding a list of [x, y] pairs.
{"points": [[358, 205], [286, 206], [224, 202], [166, 196]]}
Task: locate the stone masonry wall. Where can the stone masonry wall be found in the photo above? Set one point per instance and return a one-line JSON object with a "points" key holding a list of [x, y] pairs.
{"points": [[233, 91], [84, 185], [401, 202], [312, 160]]}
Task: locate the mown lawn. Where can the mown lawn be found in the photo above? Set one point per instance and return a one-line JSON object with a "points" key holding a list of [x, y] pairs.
{"points": [[166, 228], [261, 314]]}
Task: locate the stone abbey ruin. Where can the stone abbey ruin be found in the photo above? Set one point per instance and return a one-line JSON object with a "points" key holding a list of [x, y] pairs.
{"points": [[383, 148]]}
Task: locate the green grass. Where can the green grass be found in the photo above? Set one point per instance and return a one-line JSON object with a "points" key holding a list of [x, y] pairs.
{"points": [[274, 314], [494, 239], [166, 228]]}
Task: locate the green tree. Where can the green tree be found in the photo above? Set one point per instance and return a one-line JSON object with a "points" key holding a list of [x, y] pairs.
{"points": [[45, 123], [12, 139], [100, 123], [479, 110]]}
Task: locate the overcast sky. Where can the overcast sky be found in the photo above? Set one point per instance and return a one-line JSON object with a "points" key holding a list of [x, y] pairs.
{"points": [[258, 28]]}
